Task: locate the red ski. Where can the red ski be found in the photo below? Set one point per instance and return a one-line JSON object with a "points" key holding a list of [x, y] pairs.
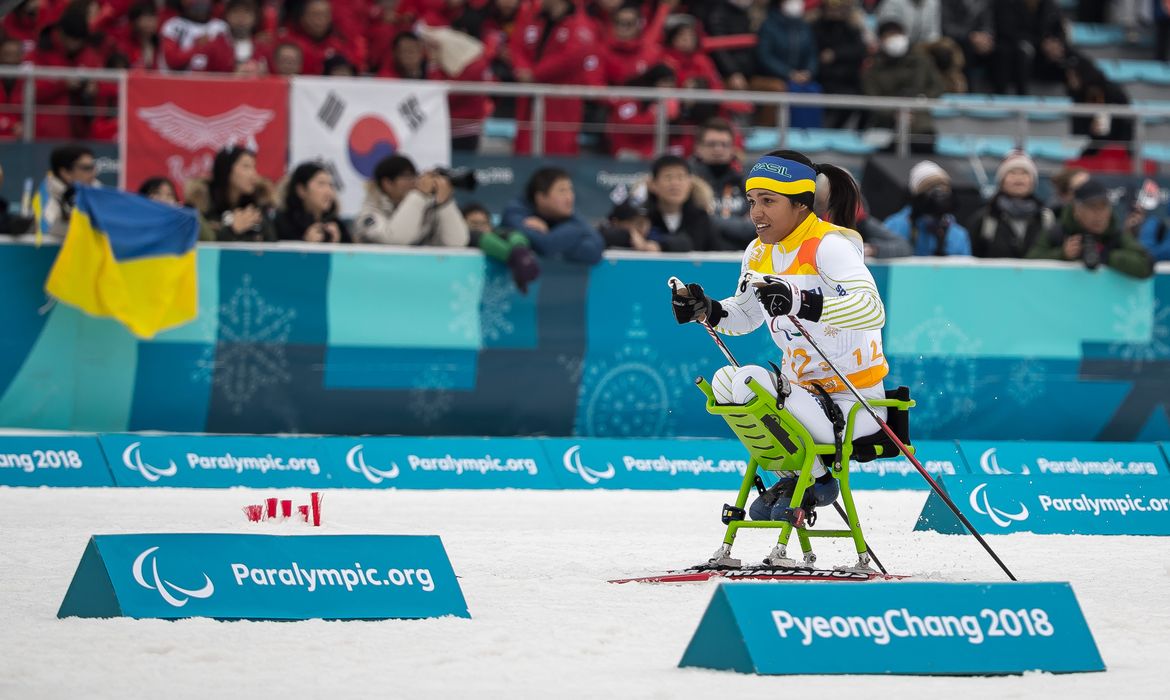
{"points": [[760, 573]]}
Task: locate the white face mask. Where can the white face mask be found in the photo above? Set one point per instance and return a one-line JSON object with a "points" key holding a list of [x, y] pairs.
{"points": [[793, 8], [896, 46]]}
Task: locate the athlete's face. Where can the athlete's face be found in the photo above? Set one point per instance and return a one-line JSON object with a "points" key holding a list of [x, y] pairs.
{"points": [[774, 215]]}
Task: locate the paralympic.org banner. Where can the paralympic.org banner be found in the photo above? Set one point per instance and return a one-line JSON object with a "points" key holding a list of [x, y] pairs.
{"points": [[1051, 505], [940, 459], [264, 577], [52, 460], [220, 461], [351, 124], [900, 628], [1064, 458], [647, 464]]}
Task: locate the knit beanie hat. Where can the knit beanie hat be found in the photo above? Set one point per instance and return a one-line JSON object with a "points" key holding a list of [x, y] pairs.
{"points": [[1016, 160], [926, 174]]}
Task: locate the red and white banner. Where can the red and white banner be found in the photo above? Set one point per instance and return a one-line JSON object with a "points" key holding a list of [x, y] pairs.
{"points": [[175, 125]]}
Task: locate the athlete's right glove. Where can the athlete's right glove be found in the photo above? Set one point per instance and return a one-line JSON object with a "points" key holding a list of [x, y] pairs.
{"points": [[691, 303]]}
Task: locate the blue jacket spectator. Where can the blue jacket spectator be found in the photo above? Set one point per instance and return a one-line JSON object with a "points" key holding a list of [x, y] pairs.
{"points": [[545, 215], [928, 222], [786, 44], [1155, 236]]}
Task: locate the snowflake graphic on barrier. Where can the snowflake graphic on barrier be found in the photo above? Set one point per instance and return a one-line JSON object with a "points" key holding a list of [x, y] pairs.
{"points": [[482, 313], [631, 394], [251, 352], [496, 306], [1026, 381], [1134, 315], [433, 399], [464, 306], [945, 382]]}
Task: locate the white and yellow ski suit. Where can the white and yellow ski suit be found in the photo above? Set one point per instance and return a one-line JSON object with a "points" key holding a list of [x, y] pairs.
{"points": [[820, 258]]}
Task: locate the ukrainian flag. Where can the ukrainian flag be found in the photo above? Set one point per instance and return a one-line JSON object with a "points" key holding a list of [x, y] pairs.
{"points": [[128, 258]]}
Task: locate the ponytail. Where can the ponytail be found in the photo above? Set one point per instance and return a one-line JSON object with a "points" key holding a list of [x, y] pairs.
{"points": [[844, 197]]}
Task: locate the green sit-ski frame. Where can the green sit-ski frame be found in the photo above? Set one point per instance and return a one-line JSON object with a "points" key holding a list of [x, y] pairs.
{"points": [[776, 441]]}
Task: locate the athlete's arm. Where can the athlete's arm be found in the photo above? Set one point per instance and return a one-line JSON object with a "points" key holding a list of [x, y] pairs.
{"points": [[743, 311], [843, 269]]}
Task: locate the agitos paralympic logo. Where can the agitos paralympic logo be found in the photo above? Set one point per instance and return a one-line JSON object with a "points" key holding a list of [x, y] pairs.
{"points": [[132, 458], [174, 595], [356, 461], [572, 462], [982, 505]]}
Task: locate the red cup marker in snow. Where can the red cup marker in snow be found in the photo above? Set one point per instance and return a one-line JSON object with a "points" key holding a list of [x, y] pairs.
{"points": [[304, 513], [286, 509], [315, 499], [254, 513], [271, 508]]}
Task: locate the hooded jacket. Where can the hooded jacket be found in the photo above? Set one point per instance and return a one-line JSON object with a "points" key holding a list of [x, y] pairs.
{"points": [[416, 220], [997, 232]]}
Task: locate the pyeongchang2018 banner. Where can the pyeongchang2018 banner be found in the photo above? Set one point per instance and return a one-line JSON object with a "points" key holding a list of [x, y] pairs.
{"points": [[351, 124], [175, 126]]}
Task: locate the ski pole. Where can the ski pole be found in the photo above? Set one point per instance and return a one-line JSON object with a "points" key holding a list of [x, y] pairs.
{"points": [[905, 451], [674, 283]]}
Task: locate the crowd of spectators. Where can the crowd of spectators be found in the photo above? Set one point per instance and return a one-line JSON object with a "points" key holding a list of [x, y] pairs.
{"points": [[683, 205], [899, 48]]}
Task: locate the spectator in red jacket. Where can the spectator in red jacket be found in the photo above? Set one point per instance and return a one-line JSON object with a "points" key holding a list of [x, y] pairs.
{"points": [[196, 41], [389, 19], [103, 122], [11, 91], [29, 19], [552, 47], [602, 14], [249, 42], [66, 44], [631, 122], [633, 46], [695, 69], [311, 28], [138, 39], [287, 59], [407, 59]]}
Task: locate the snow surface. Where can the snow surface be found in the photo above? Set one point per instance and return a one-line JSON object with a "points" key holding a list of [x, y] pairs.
{"points": [[533, 567]]}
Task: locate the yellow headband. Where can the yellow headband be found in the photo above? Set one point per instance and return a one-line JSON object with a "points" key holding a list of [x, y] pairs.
{"points": [[780, 187]]}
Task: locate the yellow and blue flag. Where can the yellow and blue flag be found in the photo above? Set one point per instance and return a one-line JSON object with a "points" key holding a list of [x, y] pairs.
{"points": [[128, 258]]}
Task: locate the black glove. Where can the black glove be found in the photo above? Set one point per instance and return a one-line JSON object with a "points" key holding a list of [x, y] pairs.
{"points": [[782, 298], [691, 303]]}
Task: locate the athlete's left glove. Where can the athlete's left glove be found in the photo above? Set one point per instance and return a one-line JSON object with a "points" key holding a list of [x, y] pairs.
{"points": [[691, 303], [783, 298]]}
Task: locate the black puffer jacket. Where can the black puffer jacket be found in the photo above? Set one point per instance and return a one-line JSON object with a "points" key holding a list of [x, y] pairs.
{"points": [[1007, 228]]}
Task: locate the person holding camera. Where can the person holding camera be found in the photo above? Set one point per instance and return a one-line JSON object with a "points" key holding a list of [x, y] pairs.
{"points": [[310, 208], [1089, 232], [405, 208], [235, 204], [928, 221]]}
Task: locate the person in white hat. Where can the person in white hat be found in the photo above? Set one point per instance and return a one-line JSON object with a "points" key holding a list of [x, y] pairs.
{"points": [[928, 221], [1014, 219]]}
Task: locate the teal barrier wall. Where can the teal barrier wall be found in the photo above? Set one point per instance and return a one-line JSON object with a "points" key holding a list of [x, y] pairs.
{"points": [[361, 341]]}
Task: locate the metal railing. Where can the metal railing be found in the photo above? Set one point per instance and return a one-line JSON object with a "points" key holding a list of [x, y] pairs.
{"points": [[903, 108]]}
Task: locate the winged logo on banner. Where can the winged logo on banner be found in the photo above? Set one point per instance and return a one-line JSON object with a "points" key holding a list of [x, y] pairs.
{"points": [[193, 132]]}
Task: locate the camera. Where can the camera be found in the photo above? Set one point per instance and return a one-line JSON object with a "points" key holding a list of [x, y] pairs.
{"points": [[461, 178], [1091, 253]]}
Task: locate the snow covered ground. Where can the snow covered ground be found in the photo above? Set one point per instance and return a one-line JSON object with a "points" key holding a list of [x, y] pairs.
{"points": [[533, 567]]}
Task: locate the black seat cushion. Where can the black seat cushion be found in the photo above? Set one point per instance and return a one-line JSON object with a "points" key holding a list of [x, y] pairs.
{"points": [[871, 447]]}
